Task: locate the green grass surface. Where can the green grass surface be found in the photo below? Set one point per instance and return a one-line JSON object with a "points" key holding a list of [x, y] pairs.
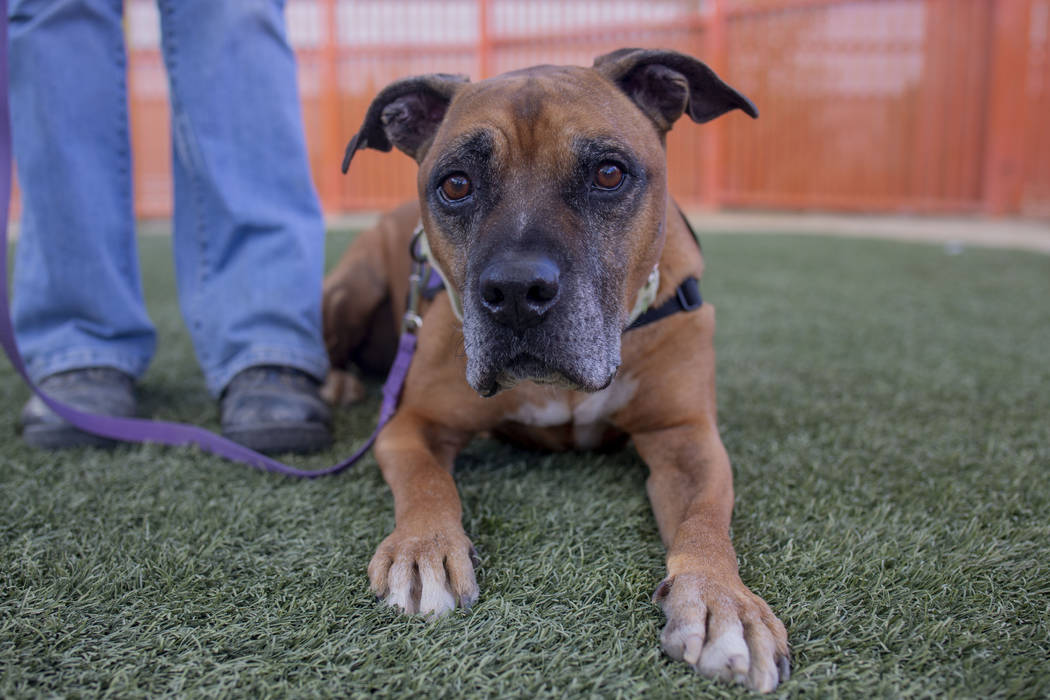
{"points": [[887, 410]]}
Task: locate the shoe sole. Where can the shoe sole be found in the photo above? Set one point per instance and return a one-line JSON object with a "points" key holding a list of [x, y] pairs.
{"points": [[300, 438], [62, 437]]}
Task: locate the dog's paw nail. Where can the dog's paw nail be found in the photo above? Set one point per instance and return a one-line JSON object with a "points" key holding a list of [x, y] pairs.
{"points": [[662, 590], [737, 665], [693, 646], [785, 669], [400, 606], [762, 682]]}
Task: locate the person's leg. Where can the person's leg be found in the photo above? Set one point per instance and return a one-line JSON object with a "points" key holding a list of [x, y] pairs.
{"points": [[77, 292], [249, 234], [78, 312]]}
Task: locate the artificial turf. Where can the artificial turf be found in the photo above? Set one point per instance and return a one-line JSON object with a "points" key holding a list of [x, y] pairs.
{"points": [[887, 410]]}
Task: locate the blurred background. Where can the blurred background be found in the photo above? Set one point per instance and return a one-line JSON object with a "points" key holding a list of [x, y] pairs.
{"points": [[885, 106]]}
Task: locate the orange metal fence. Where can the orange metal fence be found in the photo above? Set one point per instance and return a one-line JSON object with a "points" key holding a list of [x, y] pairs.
{"points": [[867, 105]]}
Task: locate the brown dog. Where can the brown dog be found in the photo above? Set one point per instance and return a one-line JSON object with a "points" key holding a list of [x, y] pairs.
{"points": [[544, 200]]}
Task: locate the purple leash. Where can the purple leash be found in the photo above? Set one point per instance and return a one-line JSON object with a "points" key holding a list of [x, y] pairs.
{"points": [[163, 432]]}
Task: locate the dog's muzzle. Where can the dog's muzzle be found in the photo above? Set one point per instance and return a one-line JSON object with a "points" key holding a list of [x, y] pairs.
{"points": [[524, 321]]}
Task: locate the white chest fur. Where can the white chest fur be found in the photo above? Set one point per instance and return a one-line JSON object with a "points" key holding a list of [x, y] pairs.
{"points": [[587, 415]]}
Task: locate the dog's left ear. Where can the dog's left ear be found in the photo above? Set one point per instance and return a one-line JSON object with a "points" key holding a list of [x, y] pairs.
{"points": [[667, 84], [406, 114]]}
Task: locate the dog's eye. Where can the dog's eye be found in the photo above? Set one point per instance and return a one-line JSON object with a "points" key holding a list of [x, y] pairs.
{"points": [[456, 187], [608, 176]]}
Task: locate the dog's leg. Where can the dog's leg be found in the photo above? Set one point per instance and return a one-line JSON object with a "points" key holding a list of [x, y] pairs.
{"points": [[362, 302], [714, 622], [425, 566], [352, 291]]}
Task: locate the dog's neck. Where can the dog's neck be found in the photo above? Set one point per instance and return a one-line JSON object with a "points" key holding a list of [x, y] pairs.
{"points": [[681, 256]]}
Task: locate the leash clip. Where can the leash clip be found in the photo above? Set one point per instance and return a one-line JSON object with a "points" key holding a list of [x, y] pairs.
{"points": [[411, 322], [415, 247]]}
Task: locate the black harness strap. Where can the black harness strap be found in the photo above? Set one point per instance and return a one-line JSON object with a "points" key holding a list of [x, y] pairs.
{"points": [[686, 298]]}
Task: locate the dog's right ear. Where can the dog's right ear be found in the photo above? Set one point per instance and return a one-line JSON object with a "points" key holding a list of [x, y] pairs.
{"points": [[406, 114], [667, 84]]}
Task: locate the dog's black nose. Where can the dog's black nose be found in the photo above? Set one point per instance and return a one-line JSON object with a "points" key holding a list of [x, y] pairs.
{"points": [[519, 292]]}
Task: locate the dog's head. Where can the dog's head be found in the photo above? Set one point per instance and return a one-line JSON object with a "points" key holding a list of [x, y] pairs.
{"points": [[543, 194]]}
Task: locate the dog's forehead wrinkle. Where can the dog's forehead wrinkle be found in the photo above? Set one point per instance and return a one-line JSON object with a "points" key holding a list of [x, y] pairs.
{"points": [[471, 147], [596, 141], [477, 140], [527, 102], [525, 106]]}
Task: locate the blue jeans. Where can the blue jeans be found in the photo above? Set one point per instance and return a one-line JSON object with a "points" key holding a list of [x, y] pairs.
{"points": [[248, 229]]}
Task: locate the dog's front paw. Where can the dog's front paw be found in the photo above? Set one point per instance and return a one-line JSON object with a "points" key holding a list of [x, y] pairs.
{"points": [[425, 572], [723, 631]]}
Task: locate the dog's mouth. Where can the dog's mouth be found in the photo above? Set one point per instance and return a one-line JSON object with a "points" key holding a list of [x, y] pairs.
{"points": [[527, 367]]}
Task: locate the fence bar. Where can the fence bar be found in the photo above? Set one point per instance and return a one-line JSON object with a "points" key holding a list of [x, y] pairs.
{"points": [[328, 186], [484, 41], [713, 135], [1005, 152]]}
